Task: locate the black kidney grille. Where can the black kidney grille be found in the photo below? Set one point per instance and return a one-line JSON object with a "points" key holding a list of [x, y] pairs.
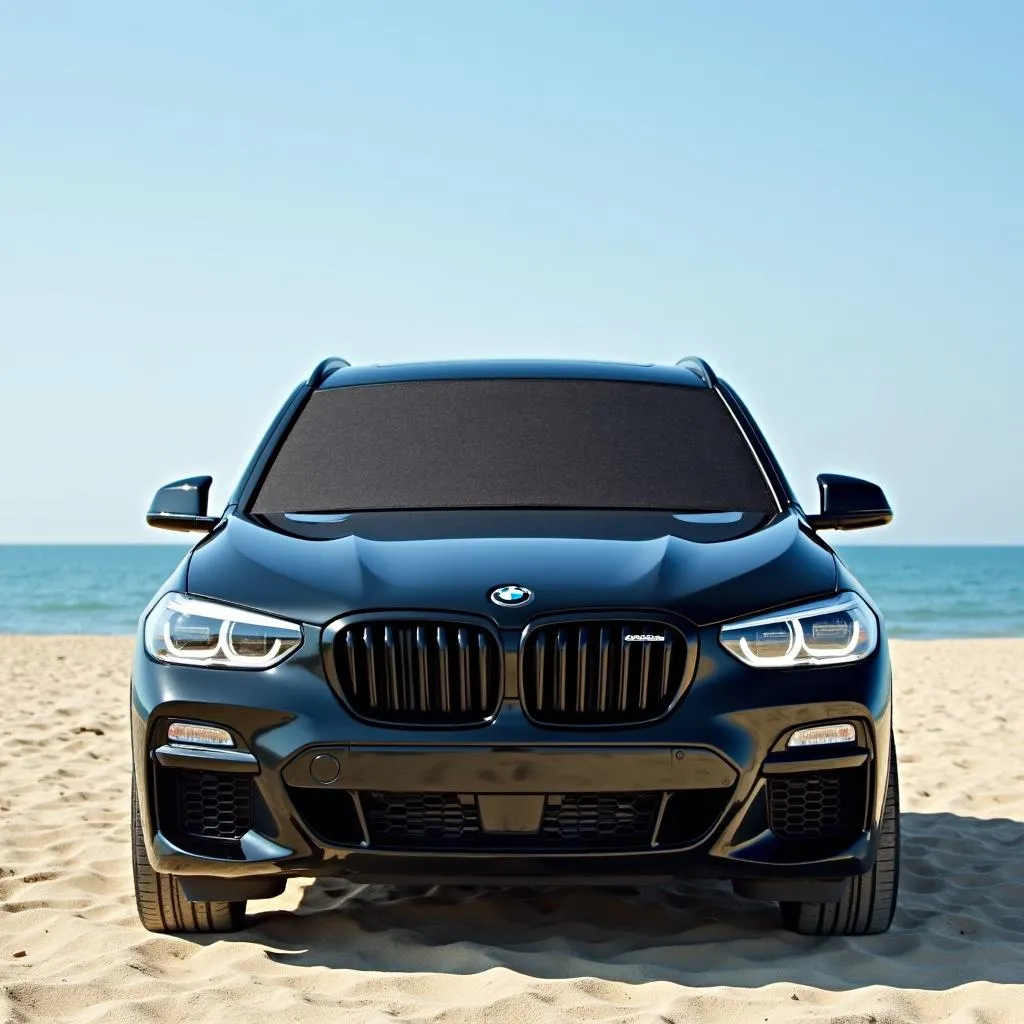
{"points": [[570, 821], [588, 673], [419, 672], [214, 805], [818, 805]]}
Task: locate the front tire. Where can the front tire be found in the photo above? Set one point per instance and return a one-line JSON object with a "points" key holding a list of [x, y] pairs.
{"points": [[161, 902], [868, 905]]}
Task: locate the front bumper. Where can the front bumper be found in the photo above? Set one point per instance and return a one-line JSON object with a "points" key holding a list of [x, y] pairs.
{"points": [[315, 771]]}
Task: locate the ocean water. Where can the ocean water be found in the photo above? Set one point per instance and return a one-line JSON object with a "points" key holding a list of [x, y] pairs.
{"points": [[927, 592], [70, 588], [923, 591]]}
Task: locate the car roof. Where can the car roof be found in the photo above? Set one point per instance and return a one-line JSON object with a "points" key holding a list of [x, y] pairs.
{"points": [[489, 369]]}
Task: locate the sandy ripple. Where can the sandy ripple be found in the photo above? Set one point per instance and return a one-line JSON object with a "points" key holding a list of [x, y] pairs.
{"points": [[71, 947]]}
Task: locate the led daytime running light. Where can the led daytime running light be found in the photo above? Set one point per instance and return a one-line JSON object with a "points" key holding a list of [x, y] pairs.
{"points": [[848, 621], [185, 630]]}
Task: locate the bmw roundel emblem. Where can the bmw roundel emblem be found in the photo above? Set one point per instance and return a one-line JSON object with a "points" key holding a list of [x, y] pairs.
{"points": [[511, 595]]}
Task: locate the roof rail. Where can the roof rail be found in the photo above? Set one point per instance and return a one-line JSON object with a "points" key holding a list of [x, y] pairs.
{"points": [[699, 367], [324, 369]]}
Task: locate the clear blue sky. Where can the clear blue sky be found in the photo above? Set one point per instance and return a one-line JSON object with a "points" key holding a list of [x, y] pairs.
{"points": [[199, 201]]}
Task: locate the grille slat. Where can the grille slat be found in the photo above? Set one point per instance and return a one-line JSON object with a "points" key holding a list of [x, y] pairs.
{"points": [[570, 821], [408, 678], [405, 672], [371, 674], [623, 671], [350, 653], [446, 676], [665, 667], [602, 682], [581, 661], [645, 673], [482, 673], [423, 672], [463, 641], [541, 646], [561, 666], [588, 673], [391, 663]]}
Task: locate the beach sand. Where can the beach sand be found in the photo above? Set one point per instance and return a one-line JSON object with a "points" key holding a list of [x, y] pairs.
{"points": [[72, 949]]}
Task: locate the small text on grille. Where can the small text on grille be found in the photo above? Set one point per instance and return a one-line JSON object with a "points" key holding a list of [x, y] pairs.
{"points": [[644, 636]]}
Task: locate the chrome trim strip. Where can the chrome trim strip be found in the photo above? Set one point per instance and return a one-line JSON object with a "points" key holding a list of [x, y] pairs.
{"points": [[256, 849], [815, 764], [658, 819], [362, 817], [176, 755]]}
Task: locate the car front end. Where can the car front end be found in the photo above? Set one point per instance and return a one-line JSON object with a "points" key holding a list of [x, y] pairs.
{"points": [[512, 696]]}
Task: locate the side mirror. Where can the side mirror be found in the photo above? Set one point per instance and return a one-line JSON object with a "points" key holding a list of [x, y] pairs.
{"points": [[848, 503], [182, 506]]}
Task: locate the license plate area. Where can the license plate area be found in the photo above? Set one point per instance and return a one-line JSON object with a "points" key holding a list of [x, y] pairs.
{"points": [[514, 770]]}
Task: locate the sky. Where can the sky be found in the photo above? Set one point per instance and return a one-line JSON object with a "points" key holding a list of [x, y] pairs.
{"points": [[198, 202]]}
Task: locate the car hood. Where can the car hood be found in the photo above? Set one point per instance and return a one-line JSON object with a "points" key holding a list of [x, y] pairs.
{"points": [[705, 570]]}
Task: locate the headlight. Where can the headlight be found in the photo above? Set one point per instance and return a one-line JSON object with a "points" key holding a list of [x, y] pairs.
{"points": [[830, 632], [186, 630]]}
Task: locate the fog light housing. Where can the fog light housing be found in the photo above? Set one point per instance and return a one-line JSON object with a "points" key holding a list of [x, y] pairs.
{"points": [[199, 735], [817, 735]]}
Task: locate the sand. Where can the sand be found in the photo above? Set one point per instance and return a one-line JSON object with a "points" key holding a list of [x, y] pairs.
{"points": [[71, 947]]}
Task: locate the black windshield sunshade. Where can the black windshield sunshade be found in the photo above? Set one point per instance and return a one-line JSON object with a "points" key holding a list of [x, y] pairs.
{"points": [[514, 443]]}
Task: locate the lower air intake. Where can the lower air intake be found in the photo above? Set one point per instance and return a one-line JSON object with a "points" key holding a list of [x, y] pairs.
{"points": [[571, 821], [601, 819], [214, 805], [818, 805]]}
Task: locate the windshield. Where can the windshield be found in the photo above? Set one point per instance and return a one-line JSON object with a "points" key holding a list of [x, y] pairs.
{"points": [[514, 443]]}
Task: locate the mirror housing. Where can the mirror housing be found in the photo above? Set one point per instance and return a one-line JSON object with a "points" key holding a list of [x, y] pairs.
{"points": [[182, 505], [849, 503]]}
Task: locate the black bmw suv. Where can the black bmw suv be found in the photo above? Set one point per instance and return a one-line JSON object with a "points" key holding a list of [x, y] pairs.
{"points": [[516, 623]]}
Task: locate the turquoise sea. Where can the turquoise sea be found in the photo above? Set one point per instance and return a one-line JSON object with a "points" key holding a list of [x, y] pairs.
{"points": [[923, 591]]}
